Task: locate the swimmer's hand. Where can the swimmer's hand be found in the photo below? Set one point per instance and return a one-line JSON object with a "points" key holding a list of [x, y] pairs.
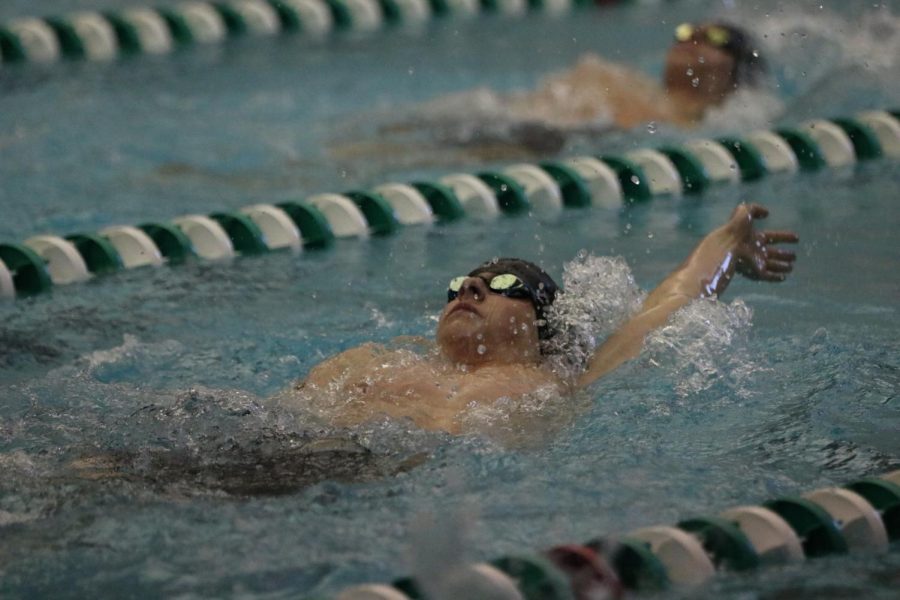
{"points": [[756, 255]]}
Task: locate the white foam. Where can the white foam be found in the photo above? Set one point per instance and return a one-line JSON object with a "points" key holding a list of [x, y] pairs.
{"points": [[600, 294]]}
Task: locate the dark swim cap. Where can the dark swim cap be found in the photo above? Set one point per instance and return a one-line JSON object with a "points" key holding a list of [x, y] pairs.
{"points": [[749, 65], [540, 285]]}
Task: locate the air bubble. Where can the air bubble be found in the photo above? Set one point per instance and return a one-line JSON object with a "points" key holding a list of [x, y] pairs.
{"points": [[689, 72], [635, 180], [482, 348], [695, 82], [651, 127]]}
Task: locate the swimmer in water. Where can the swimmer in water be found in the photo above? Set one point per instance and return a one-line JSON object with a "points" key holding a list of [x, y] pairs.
{"points": [[705, 65], [490, 332]]}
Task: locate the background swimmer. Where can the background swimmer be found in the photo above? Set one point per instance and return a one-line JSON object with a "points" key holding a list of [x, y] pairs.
{"points": [[489, 336], [706, 64]]}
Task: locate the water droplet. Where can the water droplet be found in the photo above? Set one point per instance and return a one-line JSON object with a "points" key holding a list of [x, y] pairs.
{"points": [[635, 180], [756, 54], [689, 72], [482, 348], [701, 59], [650, 236], [503, 187], [411, 71], [695, 82], [651, 127]]}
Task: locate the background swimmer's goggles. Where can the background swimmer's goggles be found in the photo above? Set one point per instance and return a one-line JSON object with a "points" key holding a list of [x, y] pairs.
{"points": [[505, 284], [715, 35]]}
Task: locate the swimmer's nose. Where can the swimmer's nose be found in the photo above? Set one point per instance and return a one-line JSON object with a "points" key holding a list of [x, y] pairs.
{"points": [[473, 288]]}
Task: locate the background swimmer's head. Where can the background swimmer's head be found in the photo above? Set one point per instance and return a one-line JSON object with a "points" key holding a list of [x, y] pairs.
{"points": [[709, 61]]}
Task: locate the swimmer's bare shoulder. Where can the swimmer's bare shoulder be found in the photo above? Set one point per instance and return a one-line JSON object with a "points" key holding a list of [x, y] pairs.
{"points": [[342, 366]]}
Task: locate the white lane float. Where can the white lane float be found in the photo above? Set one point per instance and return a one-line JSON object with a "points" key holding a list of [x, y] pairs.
{"points": [[776, 152], [475, 196], [96, 34], [835, 144], [409, 205], [859, 522], [344, 217], [7, 285], [316, 19], [718, 162], [135, 247], [278, 229], [36, 38], [602, 181], [204, 22], [663, 178], [682, 555], [64, 262], [770, 535], [543, 193], [886, 129], [208, 238]]}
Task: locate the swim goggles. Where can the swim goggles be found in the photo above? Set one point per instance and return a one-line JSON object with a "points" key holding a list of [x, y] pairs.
{"points": [[504, 284], [715, 35]]}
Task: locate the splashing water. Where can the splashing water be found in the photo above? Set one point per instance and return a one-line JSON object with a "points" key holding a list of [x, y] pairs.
{"points": [[600, 294], [695, 347]]}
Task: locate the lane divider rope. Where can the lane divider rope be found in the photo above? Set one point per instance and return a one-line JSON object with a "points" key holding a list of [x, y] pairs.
{"points": [[104, 36], [44, 261], [863, 516]]}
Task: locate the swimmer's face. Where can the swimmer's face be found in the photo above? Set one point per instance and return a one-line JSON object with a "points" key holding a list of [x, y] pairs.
{"points": [[481, 326], [699, 71]]}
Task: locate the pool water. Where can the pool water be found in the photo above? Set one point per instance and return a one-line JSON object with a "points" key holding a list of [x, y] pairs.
{"points": [[141, 453]]}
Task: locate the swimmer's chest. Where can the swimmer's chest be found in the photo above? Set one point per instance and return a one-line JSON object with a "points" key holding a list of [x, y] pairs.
{"points": [[447, 387]]}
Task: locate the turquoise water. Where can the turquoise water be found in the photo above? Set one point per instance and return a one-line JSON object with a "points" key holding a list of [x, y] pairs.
{"points": [[166, 372]]}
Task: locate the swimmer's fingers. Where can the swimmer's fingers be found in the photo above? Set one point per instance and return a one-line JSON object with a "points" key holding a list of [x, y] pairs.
{"points": [[757, 211], [782, 236], [780, 254], [770, 276], [779, 266]]}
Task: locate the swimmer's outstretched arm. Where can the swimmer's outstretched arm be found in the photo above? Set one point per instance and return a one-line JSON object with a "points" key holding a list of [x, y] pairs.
{"points": [[735, 247]]}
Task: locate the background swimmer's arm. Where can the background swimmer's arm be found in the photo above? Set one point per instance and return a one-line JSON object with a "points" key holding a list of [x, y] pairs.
{"points": [[736, 246]]}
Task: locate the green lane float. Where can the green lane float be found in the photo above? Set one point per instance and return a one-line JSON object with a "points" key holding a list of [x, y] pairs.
{"points": [[99, 255], [376, 210], [860, 517], [749, 160], [634, 183], [141, 31], [314, 229], [27, 270], [805, 149], [817, 531], [510, 196], [693, 175], [442, 200], [542, 189], [172, 244], [573, 187], [723, 541]]}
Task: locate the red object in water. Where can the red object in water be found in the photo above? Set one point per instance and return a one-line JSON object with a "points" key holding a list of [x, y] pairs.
{"points": [[591, 577]]}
